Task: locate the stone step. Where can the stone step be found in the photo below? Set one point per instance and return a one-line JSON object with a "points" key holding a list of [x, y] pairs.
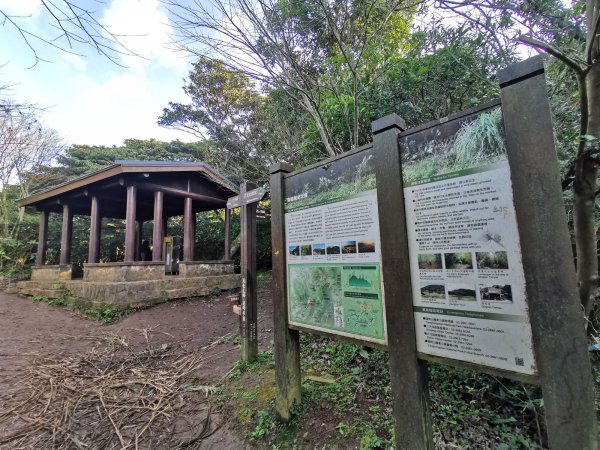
{"points": [[47, 293], [41, 285]]}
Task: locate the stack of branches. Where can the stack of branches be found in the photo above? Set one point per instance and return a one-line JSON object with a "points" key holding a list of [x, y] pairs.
{"points": [[114, 397]]}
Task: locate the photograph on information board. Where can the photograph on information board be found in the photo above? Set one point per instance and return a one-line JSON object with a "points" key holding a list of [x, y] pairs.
{"points": [[466, 269], [333, 259]]}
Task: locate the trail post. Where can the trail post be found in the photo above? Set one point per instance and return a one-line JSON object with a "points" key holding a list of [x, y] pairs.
{"points": [[247, 200]]}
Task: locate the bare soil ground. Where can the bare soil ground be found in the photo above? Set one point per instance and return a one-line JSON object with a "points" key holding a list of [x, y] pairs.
{"points": [[35, 336]]}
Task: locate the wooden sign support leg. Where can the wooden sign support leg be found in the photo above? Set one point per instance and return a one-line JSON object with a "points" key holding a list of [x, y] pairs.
{"points": [[248, 301], [556, 316], [287, 342], [410, 394]]}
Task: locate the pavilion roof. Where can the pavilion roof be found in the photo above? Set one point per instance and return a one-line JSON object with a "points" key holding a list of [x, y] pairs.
{"points": [[168, 174]]}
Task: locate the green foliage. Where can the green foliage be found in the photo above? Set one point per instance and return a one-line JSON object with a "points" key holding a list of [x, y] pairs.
{"points": [[262, 359], [107, 313], [470, 410], [247, 131], [442, 71], [265, 423], [464, 403], [80, 159]]}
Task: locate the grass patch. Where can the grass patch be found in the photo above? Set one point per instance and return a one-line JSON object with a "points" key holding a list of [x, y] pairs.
{"points": [[105, 313], [111, 313], [248, 395], [262, 359]]}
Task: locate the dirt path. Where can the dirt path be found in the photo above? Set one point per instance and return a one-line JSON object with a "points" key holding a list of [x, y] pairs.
{"points": [[30, 329]]}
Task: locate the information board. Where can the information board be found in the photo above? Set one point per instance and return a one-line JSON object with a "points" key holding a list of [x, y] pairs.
{"points": [[465, 256], [333, 249]]}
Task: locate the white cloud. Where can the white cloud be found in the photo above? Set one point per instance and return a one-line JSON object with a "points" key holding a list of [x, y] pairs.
{"points": [[76, 61], [87, 99], [107, 112], [21, 7], [144, 27]]}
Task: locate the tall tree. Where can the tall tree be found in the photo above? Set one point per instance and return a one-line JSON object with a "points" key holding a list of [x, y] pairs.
{"points": [[283, 44], [235, 120], [25, 144]]}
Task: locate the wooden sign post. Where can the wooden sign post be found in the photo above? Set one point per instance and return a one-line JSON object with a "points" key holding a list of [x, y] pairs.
{"points": [[287, 341], [247, 200], [557, 322]]}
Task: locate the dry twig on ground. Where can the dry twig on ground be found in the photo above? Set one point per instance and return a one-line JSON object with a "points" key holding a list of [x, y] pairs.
{"points": [[115, 397]]}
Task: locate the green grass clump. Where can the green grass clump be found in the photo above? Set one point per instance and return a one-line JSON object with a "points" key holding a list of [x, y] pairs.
{"points": [[478, 142], [103, 313], [262, 359]]}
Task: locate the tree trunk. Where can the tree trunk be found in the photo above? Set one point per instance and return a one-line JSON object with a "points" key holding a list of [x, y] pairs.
{"points": [[355, 112], [585, 231], [321, 126], [5, 222], [584, 200]]}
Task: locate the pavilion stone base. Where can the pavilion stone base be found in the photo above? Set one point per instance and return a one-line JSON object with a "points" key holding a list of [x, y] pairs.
{"points": [[143, 293], [205, 268], [131, 284], [121, 271], [51, 273]]}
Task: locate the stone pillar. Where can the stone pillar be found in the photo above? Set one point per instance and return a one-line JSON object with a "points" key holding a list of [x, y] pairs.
{"points": [[158, 227], [130, 224], [40, 258], [227, 249], [188, 230], [66, 236], [95, 231]]}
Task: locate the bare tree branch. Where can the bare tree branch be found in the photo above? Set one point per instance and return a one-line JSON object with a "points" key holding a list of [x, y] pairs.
{"points": [[552, 51], [75, 25]]}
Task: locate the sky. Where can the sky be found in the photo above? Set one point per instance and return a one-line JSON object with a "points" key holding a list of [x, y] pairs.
{"points": [[85, 97]]}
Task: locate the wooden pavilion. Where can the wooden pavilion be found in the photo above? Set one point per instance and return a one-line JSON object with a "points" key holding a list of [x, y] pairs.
{"points": [[136, 191]]}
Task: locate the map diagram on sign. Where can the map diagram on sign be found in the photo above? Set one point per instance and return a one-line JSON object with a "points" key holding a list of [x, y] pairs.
{"points": [[316, 295]]}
